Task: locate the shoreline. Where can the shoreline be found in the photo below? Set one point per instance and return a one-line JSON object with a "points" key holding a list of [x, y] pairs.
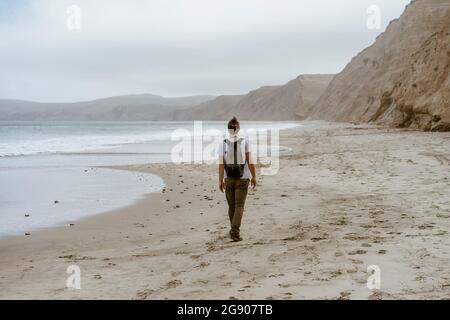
{"points": [[126, 167], [34, 184], [309, 232], [38, 198]]}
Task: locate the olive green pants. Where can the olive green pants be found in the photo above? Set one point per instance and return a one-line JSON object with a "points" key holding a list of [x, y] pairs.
{"points": [[236, 193]]}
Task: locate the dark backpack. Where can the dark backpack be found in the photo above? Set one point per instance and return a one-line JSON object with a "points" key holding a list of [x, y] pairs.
{"points": [[234, 161]]}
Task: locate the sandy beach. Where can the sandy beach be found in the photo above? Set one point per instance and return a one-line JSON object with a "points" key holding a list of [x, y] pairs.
{"points": [[346, 197]]}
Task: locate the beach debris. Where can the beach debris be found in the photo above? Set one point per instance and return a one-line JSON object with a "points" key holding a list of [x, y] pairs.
{"points": [[356, 252], [74, 257], [56, 202], [316, 239], [70, 224], [27, 234], [27, 215]]}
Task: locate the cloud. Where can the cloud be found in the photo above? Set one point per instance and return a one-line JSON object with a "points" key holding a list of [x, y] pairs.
{"points": [[177, 47]]}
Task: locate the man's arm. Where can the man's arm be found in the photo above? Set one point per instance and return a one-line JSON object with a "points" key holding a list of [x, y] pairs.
{"points": [[252, 168], [221, 174]]}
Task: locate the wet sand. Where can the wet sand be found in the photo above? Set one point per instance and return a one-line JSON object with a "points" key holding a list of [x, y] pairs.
{"points": [[346, 197]]}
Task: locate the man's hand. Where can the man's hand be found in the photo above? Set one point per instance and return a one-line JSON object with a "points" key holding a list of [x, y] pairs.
{"points": [[253, 183], [221, 186]]}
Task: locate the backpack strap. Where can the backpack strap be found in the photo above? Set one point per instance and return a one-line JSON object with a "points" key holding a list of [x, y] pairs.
{"points": [[223, 148], [242, 149], [235, 152]]}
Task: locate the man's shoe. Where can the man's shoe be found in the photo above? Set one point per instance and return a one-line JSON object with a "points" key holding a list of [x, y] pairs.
{"points": [[236, 238]]}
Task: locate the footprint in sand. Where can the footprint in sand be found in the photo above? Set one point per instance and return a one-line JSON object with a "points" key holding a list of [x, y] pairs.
{"points": [[173, 284], [356, 261], [345, 295], [144, 294], [377, 295]]}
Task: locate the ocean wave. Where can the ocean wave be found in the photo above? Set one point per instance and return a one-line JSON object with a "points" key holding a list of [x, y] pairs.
{"points": [[65, 139]]}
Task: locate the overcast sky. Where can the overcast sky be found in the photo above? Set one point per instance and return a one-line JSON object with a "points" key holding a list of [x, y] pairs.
{"points": [[176, 47]]}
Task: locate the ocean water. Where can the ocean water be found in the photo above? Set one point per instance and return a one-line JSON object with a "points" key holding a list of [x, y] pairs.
{"points": [[51, 174]]}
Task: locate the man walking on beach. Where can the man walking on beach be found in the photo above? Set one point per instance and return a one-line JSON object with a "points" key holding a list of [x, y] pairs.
{"points": [[236, 171]]}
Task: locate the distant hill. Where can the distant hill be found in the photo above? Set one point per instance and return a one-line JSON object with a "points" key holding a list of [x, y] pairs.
{"points": [[129, 107], [291, 101], [403, 79], [216, 109], [287, 102]]}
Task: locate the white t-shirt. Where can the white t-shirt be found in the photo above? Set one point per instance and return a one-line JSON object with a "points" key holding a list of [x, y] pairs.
{"points": [[223, 150]]}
